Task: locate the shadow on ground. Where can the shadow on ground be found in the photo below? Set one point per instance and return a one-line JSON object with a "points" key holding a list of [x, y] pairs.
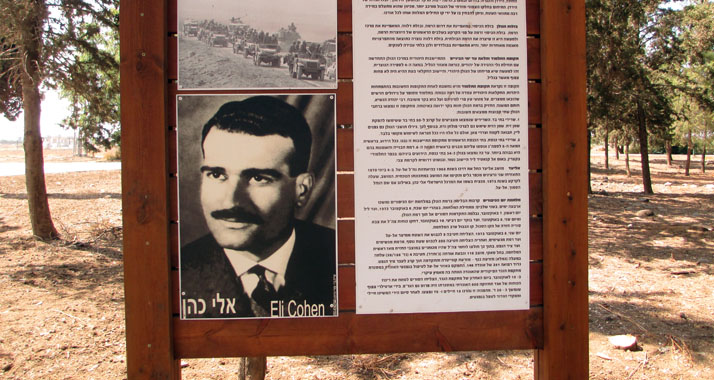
{"points": [[679, 228], [4, 227], [71, 196], [395, 365], [76, 268], [653, 322]]}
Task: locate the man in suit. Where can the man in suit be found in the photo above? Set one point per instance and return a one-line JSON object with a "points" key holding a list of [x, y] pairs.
{"points": [[258, 260]]}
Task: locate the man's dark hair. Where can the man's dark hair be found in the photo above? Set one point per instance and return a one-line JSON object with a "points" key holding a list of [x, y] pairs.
{"points": [[264, 116]]}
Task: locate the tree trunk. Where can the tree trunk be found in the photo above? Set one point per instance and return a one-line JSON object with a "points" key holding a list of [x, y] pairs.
{"points": [[607, 145], [704, 150], [668, 147], [253, 368], [704, 159], [627, 159], [38, 204], [644, 150], [689, 153], [590, 188], [40, 217]]}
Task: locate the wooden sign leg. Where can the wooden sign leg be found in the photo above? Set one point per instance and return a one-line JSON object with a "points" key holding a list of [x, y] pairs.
{"points": [[253, 368], [565, 249], [147, 265]]}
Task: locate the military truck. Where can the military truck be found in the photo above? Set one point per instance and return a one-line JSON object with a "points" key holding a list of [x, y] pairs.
{"points": [[300, 64], [190, 28], [238, 45], [218, 40], [250, 49], [267, 53]]}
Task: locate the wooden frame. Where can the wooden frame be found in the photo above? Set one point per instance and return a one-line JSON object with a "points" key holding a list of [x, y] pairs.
{"points": [[556, 324]]}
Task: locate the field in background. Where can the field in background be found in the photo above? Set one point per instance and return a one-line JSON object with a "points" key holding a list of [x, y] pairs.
{"points": [[14, 153]]}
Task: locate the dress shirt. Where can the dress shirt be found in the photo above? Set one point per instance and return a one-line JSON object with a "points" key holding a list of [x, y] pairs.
{"points": [[275, 265]]}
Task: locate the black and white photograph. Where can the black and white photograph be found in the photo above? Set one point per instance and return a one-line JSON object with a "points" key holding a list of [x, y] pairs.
{"points": [[257, 212], [245, 44]]}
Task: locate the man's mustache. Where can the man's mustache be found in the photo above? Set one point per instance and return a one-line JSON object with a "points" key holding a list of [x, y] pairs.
{"points": [[237, 215]]}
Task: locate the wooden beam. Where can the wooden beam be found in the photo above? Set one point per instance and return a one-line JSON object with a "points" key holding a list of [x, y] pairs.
{"points": [[565, 248], [352, 333], [147, 282]]}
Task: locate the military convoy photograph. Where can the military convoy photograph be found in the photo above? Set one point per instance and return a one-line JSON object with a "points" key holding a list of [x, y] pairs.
{"points": [[229, 44]]}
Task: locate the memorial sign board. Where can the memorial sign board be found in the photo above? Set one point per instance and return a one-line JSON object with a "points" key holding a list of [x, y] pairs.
{"points": [[441, 105], [555, 321]]}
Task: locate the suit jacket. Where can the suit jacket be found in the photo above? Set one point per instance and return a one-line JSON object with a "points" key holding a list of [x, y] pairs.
{"points": [[210, 287]]}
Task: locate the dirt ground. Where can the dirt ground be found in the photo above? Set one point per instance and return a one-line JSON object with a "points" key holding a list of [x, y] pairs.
{"points": [[62, 303]]}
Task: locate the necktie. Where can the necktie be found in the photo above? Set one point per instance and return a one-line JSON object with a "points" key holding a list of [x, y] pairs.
{"points": [[264, 291]]}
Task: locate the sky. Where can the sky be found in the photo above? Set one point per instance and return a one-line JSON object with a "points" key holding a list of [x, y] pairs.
{"points": [[54, 110], [316, 20], [676, 5]]}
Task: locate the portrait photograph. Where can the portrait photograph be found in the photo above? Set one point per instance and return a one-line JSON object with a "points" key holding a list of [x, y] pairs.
{"points": [[257, 212], [244, 44]]}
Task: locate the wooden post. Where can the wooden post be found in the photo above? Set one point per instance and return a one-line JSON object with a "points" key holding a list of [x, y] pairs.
{"points": [[253, 368], [565, 249], [144, 191]]}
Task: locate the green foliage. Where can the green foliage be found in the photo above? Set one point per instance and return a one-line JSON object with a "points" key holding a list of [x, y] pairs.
{"points": [[691, 75], [10, 94], [626, 43], [94, 89], [11, 59], [660, 57], [694, 121]]}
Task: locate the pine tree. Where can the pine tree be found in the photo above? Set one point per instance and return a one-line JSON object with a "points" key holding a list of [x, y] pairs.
{"points": [[626, 43], [44, 42]]}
